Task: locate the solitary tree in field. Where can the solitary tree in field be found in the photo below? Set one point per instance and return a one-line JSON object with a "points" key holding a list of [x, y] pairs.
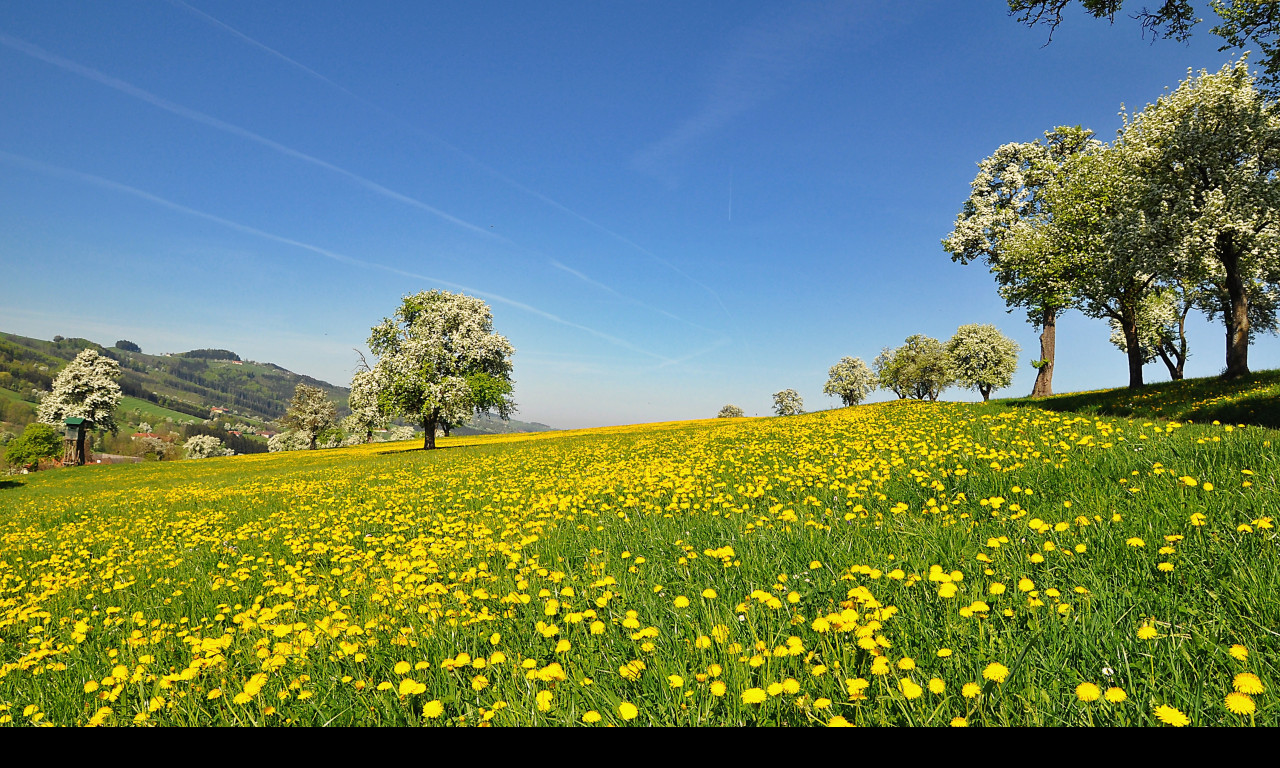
{"points": [[85, 389], [787, 403], [310, 412], [730, 412], [983, 358], [1008, 195], [850, 380], [439, 362]]}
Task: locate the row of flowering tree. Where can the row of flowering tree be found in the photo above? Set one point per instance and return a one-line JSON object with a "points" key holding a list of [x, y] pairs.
{"points": [[1178, 213]]}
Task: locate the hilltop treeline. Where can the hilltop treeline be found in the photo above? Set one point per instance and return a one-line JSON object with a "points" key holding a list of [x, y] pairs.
{"points": [[190, 383]]}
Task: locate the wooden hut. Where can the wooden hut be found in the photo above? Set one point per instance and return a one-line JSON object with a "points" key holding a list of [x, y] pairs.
{"points": [[77, 429]]}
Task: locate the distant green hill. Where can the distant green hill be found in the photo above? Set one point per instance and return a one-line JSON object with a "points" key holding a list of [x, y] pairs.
{"points": [[189, 383], [492, 425]]}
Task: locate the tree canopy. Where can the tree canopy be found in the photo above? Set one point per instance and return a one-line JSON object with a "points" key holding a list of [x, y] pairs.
{"points": [[439, 362], [982, 358], [850, 380], [788, 403], [85, 389], [310, 413]]}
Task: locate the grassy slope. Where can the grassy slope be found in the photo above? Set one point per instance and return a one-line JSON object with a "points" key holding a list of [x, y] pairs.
{"points": [[419, 549], [1253, 399]]}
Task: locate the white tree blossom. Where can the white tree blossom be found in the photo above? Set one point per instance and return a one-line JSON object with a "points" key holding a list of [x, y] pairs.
{"points": [[1208, 159], [983, 358], [85, 389], [850, 380], [439, 362], [787, 403], [290, 440], [204, 446], [730, 412], [366, 411], [310, 412]]}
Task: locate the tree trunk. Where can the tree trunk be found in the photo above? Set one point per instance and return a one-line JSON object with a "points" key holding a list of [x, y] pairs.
{"points": [[1048, 341], [1133, 346], [311, 444], [429, 438], [1237, 320], [986, 393]]}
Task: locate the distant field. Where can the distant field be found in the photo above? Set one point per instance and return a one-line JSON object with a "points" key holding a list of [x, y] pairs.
{"points": [[1253, 399], [151, 412], [905, 563]]}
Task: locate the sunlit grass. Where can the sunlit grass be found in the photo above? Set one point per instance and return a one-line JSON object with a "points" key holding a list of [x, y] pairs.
{"points": [[860, 566]]}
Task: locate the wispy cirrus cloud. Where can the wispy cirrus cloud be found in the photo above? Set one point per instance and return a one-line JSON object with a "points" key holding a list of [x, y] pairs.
{"points": [[760, 62], [100, 182], [454, 149], [129, 89]]}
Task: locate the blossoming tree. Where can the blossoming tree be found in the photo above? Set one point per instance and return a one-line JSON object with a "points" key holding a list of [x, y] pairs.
{"points": [[439, 362], [85, 389]]}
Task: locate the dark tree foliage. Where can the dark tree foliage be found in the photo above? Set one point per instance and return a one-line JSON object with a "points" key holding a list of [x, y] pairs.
{"points": [[210, 354], [128, 346], [1244, 23]]}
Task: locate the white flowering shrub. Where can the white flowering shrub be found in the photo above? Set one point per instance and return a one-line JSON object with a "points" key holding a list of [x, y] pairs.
{"points": [[787, 403], [850, 380], [204, 447], [288, 441], [730, 412], [85, 389]]}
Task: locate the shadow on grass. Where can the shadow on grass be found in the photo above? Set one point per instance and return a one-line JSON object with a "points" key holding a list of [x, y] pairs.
{"points": [[423, 450], [1252, 399], [7, 484]]}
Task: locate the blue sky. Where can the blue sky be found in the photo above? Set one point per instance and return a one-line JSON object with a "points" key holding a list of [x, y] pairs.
{"points": [[669, 206]]}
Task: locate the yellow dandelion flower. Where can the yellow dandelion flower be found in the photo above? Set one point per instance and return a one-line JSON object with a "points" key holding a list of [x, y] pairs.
{"points": [[1088, 692], [1247, 682], [838, 722], [1170, 716], [432, 709], [402, 668], [821, 704], [791, 686], [909, 688], [1147, 632], [959, 722], [754, 696], [543, 700], [718, 688], [971, 690], [591, 716], [1239, 652], [710, 594], [1115, 695], [937, 686], [675, 681], [996, 672], [627, 711], [1240, 703]]}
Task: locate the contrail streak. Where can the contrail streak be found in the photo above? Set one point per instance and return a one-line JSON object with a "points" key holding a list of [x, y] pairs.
{"points": [[495, 173], [98, 181], [37, 52]]}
